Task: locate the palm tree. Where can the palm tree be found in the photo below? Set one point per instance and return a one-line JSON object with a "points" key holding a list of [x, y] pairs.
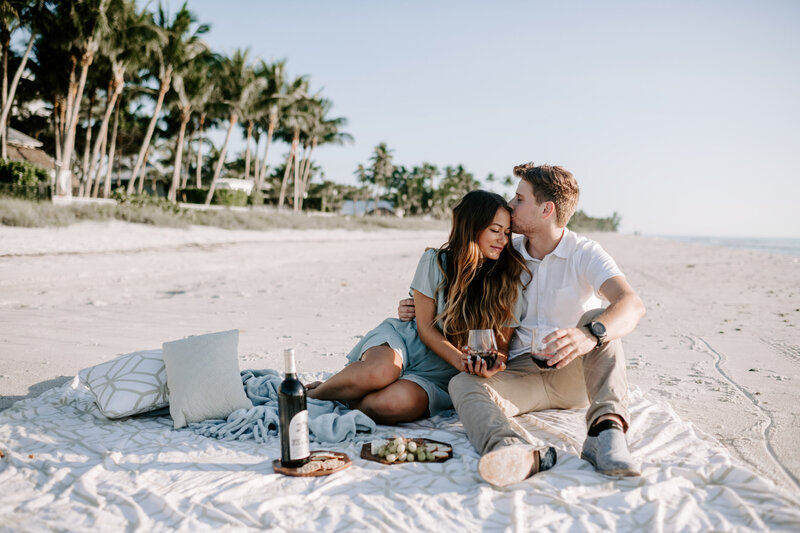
{"points": [[272, 98], [52, 69], [456, 183], [253, 109], [14, 14], [179, 45], [193, 88], [87, 22], [123, 49], [111, 150], [295, 118], [240, 85], [381, 171], [321, 130]]}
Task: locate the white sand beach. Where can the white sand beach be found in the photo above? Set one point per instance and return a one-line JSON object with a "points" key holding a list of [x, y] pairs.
{"points": [[720, 342]]}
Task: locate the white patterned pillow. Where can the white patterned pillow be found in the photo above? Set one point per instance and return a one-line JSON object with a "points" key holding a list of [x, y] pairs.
{"points": [[130, 384], [204, 378]]}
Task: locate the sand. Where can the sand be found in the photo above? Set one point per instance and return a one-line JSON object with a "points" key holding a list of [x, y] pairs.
{"points": [[720, 341]]}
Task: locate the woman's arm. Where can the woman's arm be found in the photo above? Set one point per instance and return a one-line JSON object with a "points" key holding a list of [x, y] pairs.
{"points": [[433, 338], [430, 335]]}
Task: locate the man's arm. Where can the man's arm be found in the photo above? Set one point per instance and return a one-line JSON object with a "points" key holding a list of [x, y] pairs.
{"points": [[623, 313]]}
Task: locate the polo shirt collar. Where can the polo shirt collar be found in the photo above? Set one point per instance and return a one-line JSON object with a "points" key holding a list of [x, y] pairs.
{"points": [[566, 245], [563, 250]]}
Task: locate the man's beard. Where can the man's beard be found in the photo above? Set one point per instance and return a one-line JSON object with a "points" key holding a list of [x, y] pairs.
{"points": [[520, 229]]}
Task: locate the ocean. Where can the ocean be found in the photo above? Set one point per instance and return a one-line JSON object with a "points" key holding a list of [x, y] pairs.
{"points": [[785, 246]]}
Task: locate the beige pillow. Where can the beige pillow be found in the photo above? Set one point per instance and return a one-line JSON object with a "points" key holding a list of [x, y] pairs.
{"points": [[130, 384], [203, 377]]}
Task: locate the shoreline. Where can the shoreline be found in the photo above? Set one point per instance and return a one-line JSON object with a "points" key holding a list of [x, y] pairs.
{"points": [[719, 342]]}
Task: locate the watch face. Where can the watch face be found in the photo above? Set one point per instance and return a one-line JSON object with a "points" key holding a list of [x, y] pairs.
{"points": [[598, 329]]}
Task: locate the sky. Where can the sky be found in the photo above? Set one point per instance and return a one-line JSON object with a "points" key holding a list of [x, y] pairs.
{"points": [[683, 117]]}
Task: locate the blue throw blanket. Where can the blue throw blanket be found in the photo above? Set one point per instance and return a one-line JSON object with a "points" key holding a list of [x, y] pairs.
{"points": [[327, 421]]}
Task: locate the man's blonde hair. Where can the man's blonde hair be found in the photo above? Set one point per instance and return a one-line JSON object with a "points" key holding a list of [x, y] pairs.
{"points": [[552, 184]]}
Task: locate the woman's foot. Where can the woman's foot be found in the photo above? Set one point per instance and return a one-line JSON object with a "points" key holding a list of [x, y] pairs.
{"points": [[512, 464]]}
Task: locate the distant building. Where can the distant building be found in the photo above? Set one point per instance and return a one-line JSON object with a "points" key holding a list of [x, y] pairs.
{"points": [[362, 207], [235, 184], [21, 147]]}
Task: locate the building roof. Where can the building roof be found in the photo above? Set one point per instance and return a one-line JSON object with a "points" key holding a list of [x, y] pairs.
{"points": [[31, 155], [18, 138]]}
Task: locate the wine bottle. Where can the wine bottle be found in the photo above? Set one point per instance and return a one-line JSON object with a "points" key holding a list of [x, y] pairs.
{"points": [[293, 416]]}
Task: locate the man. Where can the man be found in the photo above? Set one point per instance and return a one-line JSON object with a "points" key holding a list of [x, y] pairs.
{"points": [[570, 275]]}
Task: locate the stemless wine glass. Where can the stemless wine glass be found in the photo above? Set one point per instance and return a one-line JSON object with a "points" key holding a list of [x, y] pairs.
{"points": [[539, 349], [483, 343]]}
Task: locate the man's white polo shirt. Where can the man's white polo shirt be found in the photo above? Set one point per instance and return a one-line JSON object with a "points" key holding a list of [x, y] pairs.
{"points": [[565, 284]]}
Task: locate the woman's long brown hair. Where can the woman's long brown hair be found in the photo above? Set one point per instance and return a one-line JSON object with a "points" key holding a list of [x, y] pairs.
{"points": [[480, 293]]}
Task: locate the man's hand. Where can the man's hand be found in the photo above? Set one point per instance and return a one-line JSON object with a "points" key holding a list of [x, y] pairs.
{"points": [[476, 365], [405, 310], [567, 344]]}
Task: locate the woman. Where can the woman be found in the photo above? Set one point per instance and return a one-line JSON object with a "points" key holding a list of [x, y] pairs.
{"points": [[399, 371]]}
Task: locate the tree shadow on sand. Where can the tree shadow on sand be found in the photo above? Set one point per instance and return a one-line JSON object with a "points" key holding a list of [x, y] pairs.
{"points": [[34, 390]]}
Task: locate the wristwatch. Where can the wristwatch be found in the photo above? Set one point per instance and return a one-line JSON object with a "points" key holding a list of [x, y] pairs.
{"points": [[599, 331]]}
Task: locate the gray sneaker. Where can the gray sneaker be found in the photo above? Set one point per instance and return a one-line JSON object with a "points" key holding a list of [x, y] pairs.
{"points": [[608, 453], [512, 464]]}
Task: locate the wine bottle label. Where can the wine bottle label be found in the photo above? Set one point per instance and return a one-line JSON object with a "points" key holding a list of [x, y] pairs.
{"points": [[298, 436]]}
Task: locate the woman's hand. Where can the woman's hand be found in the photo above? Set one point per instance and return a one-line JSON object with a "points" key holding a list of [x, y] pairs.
{"points": [[477, 365]]}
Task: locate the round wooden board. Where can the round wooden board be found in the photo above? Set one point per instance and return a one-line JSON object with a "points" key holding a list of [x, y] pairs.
{"points": [[276, 466], [366, 453]]}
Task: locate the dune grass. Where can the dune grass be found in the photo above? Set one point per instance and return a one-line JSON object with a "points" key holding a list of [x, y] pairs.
{"points": [[30, 214]]}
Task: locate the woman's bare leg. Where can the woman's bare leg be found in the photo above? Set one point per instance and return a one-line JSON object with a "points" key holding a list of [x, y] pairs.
{"points": [[379, 366], [402, 401]]}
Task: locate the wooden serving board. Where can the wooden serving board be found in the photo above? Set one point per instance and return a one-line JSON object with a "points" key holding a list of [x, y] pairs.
{"points": [[301, 470], [366, 453]]}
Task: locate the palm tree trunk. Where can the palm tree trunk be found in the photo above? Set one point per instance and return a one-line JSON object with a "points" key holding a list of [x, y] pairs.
{"points": [[96, 171], [112, 95], [144, 170], [298, 180], [57, 130], [176, 171], [221, 160], [199, 168], [256, 165], [247, 150], [162, 91], [188, 159], [86, 187], [65, 177], [62, 123], [292, 155], [111, 149], [307, 172], [72, 89], [296, 184], [10, 99], [5, 42], [263, 174]]}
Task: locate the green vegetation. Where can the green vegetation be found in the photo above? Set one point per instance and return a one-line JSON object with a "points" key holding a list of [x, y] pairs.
{"points": [[581, 222], [160, 212], [22, 180]]}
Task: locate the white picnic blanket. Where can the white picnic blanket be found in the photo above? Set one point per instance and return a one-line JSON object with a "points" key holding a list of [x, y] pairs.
{"points": [[66, 467]]}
